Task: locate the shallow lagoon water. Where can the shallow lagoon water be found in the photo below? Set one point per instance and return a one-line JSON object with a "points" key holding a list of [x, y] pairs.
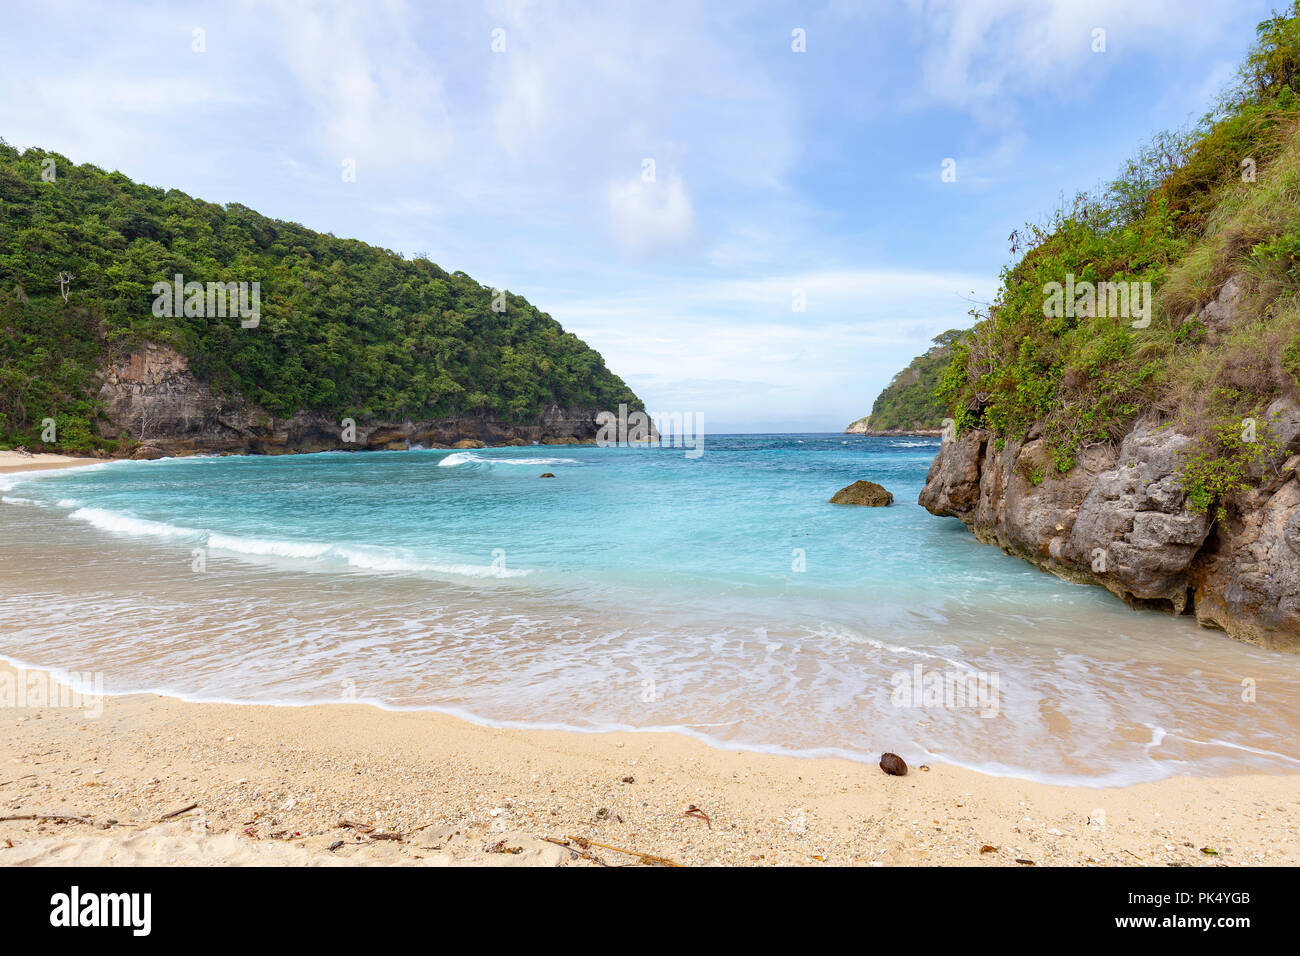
{"points": [[718, 595]]}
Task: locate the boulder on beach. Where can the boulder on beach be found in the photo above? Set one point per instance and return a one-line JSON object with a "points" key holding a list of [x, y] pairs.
{"points": [[147, 452], [468, 443], [863, 493]]}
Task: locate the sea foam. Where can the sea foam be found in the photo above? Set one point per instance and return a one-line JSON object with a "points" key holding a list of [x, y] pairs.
{"points": [[359, 557], [468, 458], [117, 522]]}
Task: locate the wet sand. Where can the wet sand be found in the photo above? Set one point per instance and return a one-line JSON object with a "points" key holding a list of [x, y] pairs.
{"points": [[273, 785]]}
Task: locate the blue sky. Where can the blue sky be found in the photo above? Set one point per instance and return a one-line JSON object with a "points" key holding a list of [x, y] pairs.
{"points": [[775, 173]]}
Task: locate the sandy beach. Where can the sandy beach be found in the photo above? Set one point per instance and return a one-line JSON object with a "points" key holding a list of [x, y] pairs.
{"points": [[282, 785], [12, 462]]}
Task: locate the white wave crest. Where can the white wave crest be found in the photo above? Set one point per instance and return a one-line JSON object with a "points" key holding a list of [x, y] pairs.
{"points": [[118, 523], [357, 556], [468, 458], [267, 547], [360, 557]]}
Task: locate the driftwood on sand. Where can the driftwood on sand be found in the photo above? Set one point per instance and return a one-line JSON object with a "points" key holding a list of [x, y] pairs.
{"points": [[44, 817]]}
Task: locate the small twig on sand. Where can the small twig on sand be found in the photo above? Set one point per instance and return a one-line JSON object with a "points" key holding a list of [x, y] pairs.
{"points": [[385, 836], [578, 854], [646, 858], [59, 817], [363, 827], [694, 811], [177, 813]]}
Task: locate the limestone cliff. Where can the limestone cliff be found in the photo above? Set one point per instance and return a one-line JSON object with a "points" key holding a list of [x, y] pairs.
{"points": [[154, 399], [864, 426], [1120, 519], [1126, 410]]}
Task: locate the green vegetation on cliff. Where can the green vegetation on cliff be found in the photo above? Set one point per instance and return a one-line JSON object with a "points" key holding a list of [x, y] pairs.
{"points": [[1195, 209], [909, 403], [345, 328]]}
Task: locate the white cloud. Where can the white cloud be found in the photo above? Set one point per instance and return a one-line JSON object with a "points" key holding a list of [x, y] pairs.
{"points": [[645, 215], [377, 94], [523, 107], [100, 114], [979, 53], [742, 336], [417, 208]]}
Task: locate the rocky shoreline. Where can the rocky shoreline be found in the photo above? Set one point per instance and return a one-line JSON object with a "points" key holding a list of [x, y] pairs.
{"points": [[1120, 519], [153, 399], [855, 429]]}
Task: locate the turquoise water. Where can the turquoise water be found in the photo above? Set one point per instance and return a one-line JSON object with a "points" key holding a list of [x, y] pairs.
{"points": [[640, 588]]}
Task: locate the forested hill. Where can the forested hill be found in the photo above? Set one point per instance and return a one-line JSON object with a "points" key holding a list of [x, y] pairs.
{"points": [[909, 403], [344, 328]]}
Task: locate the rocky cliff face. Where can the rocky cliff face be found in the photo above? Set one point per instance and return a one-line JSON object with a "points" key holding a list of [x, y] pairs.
{"points": [[1120, 519], [863, 427], [154, 398]]}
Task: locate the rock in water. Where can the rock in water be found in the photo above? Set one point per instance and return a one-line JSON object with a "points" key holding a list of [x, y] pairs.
{"points": [[863, 493], [893, 765], [546, 474]]}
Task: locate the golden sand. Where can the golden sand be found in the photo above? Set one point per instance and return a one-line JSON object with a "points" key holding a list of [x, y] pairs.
{"points": [[12, 462], [273, 785]]}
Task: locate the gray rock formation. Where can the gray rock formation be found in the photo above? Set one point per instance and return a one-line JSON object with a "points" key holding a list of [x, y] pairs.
{"points": [[1219, 315], [154, 399], [1119, 518]]}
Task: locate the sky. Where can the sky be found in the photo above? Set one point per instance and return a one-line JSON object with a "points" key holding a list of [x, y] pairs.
{"points": [[742, 206]]}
